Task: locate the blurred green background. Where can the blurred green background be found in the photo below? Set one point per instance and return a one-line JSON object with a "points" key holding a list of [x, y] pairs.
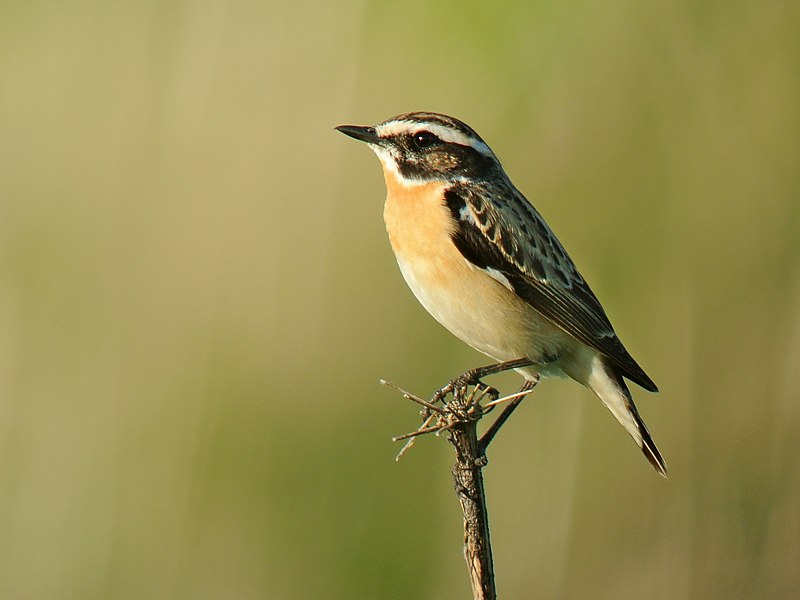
{"points": [[197, 298]]}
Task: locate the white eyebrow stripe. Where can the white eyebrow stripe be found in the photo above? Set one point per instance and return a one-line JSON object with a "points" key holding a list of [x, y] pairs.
{"points": [[444, 133]]}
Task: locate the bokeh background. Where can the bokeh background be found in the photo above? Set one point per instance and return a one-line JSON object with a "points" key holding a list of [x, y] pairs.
{"points": [[197, 299]]}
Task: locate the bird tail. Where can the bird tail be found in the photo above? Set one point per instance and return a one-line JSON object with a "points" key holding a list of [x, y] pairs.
{"points": [[608, 385]]}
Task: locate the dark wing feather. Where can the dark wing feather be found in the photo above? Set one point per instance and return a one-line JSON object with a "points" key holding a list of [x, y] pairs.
{"points": [[508, 235]]}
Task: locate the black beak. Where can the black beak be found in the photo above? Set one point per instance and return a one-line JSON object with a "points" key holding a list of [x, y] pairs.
{"points": [[364, 134]]}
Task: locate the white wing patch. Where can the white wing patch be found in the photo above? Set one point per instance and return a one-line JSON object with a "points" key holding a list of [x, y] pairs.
{"points": [[465, 214], [499, 277]]}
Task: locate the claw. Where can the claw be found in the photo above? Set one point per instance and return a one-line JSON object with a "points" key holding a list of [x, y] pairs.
{"points": [[468, 404]]}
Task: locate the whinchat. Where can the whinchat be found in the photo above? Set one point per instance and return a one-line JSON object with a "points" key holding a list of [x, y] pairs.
{"points": [[483, 262]]}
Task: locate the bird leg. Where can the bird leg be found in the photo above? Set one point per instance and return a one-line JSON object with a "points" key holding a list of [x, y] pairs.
{"points": [[487, 437], [473, 376], [466, 404]]}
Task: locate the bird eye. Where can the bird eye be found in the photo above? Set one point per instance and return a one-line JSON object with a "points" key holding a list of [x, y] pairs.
{"points": [[424, 139]]}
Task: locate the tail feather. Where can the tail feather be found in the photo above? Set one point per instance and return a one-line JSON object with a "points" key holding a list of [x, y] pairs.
{"points": [[648, 446], [608, 385]]}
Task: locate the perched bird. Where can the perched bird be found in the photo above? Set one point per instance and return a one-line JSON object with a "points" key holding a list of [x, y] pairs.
{"points": [[484, 263]]}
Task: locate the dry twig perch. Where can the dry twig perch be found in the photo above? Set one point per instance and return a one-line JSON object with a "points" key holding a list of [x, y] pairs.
{"points": [[459, 419]]}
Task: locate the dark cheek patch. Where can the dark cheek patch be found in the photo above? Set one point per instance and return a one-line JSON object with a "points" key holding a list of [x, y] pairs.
{"points": [[411, 169], [445, 162]]}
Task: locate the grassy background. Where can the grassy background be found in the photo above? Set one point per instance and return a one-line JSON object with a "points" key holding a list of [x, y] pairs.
{"points": [[197, 298]]}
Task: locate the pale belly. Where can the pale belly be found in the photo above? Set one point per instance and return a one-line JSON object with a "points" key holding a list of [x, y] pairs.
{"points": [[482, 312]]}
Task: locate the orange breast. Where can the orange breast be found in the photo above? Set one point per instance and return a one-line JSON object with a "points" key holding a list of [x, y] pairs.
{"points": [[417, 220], [465, 299]]}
